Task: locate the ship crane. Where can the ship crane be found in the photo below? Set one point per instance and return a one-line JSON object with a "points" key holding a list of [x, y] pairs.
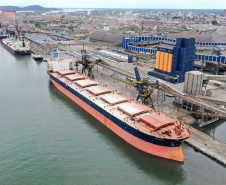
{"points": [[20, 33], [145, 87], [88, 63]]}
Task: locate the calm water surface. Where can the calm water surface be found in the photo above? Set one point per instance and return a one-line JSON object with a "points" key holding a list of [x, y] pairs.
{"points": [[46, 139]]}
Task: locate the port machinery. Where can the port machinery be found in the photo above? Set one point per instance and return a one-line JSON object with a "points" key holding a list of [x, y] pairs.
{"points": [[20, 32], [182, 100], [144, 86], [148, 84], [88, 63]]}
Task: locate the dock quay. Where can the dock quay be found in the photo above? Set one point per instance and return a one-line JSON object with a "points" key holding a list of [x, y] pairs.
{"points": [[207, 145]]}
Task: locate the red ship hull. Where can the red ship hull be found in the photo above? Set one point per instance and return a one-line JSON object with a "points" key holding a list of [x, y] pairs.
{"points": [[173, 153]]}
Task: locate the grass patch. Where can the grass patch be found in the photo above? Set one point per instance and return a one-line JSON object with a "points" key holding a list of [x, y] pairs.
{"points": [[203, 53]]}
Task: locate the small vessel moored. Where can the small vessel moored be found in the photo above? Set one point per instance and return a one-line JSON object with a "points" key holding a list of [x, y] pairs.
{"points": [[141, 126], [37, 57]]}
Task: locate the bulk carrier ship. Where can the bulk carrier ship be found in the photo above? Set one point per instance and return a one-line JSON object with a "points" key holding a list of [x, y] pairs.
{"points": [[141, 126], [16, 47]]}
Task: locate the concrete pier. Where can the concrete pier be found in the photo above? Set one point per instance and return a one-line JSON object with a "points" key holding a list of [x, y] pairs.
{"points": [[205, 144]]}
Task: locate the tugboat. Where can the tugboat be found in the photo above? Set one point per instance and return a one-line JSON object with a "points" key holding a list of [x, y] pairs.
{"points": [[37, 57]]}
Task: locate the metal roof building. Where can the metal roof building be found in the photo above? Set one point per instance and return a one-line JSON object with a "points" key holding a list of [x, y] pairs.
{"points": [[134, 28], [101, 36], [217, 36], [198, 37]]}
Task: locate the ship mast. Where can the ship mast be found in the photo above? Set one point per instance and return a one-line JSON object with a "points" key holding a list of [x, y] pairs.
{"points": [[20, 33]]}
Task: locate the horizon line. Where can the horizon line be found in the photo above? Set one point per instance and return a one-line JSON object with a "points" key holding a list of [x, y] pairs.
{"points": [[121, 8]]}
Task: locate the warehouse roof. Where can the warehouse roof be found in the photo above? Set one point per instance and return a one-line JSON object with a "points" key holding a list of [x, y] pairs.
{"points": [[134, 28], [102, 36], [198, 37], [219, 35], [98, 35], [166, 46], [151, 23]]}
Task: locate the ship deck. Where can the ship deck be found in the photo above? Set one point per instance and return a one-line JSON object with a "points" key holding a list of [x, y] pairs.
{"points": [[133, 113]]}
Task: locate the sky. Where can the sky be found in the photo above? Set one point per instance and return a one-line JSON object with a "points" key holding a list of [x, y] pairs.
{"points": [[146, 4]]}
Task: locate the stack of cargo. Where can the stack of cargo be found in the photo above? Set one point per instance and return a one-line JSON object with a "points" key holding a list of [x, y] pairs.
{"points": [[174, 60]]}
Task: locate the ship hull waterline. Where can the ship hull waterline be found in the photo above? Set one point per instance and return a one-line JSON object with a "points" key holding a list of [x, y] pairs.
{"points": [[172, 153], [15, 51], [2, 37], [38, 58]]}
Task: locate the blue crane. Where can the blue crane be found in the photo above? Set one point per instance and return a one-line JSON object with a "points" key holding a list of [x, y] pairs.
{"points": [[145, 87]]}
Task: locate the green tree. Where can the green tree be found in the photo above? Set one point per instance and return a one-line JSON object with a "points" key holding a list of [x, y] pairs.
{"points": [[71, 28], [214, 22], [55, 21], [37, 25]]}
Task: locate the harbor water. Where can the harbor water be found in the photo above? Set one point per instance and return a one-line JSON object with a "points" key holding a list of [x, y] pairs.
{"points": [[46, 139]]}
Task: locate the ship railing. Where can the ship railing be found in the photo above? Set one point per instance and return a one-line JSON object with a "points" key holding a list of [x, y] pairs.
{"points": [[126, 118], [96, 98], [106, 106], [131, 100]]}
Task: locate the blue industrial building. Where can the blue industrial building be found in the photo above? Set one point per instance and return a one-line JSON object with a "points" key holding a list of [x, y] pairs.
{"points": [[174, 60], [61, 37], [126, 43]]}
